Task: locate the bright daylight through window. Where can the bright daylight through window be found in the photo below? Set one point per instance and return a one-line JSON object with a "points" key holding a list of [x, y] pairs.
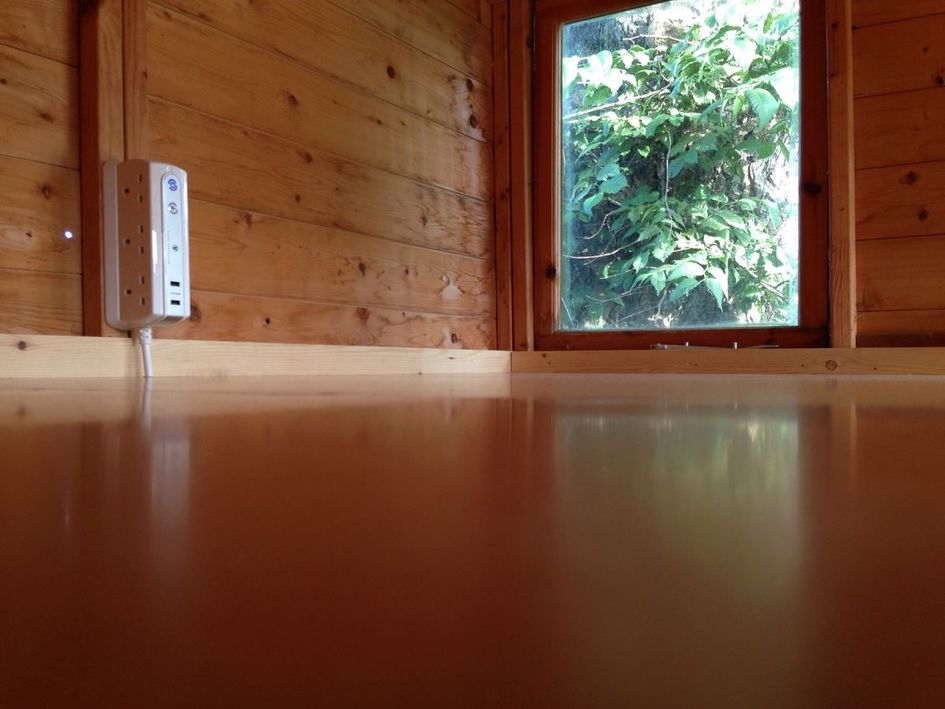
{"points": [[680, 146]]}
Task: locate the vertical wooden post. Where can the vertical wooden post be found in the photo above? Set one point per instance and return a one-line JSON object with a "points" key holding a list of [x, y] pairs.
{"points": [[520, 112], [102, 138], [842, 175], [135, 79], [113, 110], [503, 213]]}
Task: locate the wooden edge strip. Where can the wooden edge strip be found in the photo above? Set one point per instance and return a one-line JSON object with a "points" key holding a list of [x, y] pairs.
{"points": [[831, 362], [135, 79], [53, 356], [502, 169], [101, 116], [842, 187], [520, 172]]}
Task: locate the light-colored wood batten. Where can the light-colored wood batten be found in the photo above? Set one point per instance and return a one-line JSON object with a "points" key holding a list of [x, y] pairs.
{"points": [[833, 361], [47, 356], [842, 187]]}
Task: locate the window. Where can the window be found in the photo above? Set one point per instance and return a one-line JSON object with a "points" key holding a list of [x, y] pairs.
{"points": [[680, 173]]}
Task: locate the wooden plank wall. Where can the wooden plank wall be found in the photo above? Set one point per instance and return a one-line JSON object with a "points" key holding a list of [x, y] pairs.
{"points": [[341, 163], [40, 281], [899, 87]]}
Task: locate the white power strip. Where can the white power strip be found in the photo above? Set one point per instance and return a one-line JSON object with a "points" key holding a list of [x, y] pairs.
{"points": [[147, 261]]}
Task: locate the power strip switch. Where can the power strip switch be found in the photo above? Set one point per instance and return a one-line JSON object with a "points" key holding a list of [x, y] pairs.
{"points": [[147, 264]]}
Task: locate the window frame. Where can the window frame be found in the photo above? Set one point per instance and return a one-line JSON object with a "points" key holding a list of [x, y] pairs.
{"points": [[813, 326]]}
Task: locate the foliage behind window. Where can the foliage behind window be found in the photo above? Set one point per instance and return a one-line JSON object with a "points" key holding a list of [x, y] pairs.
{"points": [[680, 143]]}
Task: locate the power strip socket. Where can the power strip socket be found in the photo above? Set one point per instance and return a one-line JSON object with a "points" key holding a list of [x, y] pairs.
{"points": [[147, 255]]}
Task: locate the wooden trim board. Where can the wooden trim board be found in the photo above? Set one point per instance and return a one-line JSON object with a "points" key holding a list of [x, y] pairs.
{"points": [[49, 356], [831, 362], [102, 138], [65, 357], [520, 144], [842, 186], [503, 165]]}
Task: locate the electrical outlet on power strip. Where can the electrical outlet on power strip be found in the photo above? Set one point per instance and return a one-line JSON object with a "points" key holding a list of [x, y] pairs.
{"points": [[147, 269]]}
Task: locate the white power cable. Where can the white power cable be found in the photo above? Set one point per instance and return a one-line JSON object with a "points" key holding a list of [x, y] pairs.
{"points": [[144, 339]]}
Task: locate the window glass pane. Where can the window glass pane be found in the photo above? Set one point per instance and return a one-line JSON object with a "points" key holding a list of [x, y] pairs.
{"points": [[680, 129]]}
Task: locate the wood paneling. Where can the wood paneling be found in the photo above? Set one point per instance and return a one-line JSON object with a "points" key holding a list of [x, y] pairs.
{"points": [[354, 51], [872, 12], [39, 203], [903, 200], [901, 274], [48, 28], [239, 167], [903, 56], [40, 285], [902, 128], [253, 254], [220, 316], [193, 64], [899, 51], [38, 108], [480, 9], [436, 28], [897, 328], [342, 189], [40, 303]]}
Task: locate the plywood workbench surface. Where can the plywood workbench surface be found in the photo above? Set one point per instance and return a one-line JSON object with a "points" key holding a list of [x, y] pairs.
{"points": [[534, 540]]}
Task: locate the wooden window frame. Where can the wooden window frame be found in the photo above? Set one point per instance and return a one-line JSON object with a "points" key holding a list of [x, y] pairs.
{"points": [[812, 331]]}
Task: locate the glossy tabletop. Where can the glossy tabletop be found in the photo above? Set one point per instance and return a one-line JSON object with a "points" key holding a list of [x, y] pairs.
{"points": [[544, 541]]}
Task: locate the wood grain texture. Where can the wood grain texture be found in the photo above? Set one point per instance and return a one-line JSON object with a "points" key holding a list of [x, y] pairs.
{"points": [[898, 328], [520, 142], [38, 108], [135, 78], [900, 56], [222, 316], [901, 274], [898, 129], [354, 51], [480, 9], [828, 362], [43, 356], [41, 303], [102, 139], [40, 289], [842, 177], [502, 184], [904, 200], [247, 169], [236, 251], [873, 12], [342, 188], [437, 28], [193, 65], [48, 28], [38, 204]]}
